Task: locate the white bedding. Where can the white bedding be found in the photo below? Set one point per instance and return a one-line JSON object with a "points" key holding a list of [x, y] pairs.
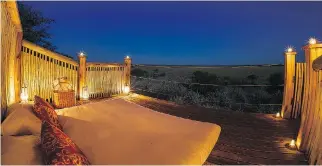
{"points": [[119, 132], [20, 150]]}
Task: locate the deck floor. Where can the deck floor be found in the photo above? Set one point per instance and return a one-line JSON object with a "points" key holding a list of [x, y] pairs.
{"points": [[246, 138]]}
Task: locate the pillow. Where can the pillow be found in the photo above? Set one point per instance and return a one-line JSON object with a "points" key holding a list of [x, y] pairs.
{"points": [[17, 106], [58, 148], [21, 150], [21, 121], [43, 102], [46, 112]]}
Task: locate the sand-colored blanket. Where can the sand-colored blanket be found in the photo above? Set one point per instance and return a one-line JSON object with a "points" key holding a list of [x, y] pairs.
{"points": [[119, 132]]}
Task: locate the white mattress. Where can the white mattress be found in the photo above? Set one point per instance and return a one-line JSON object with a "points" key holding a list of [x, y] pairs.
{"points": [[119, 132], [20, 150]]}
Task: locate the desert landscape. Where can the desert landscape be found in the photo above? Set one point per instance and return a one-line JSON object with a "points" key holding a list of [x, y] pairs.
{"points": [[250, 88]]}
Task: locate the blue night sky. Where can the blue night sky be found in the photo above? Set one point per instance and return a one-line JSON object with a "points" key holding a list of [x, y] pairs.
{"points": [[196, 33]]}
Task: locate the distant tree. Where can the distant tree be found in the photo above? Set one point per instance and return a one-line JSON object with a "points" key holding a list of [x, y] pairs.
{"points": [[276, 79], [252, 78], [200, 77], [226, 80], [36, 27], [205, 77], [155, 73], [162, 74], [139, 72]]}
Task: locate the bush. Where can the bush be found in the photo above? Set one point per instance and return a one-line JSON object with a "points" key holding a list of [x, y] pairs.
{"points": [[276, 79], [139, 72], [204, 78], [227, 97]]}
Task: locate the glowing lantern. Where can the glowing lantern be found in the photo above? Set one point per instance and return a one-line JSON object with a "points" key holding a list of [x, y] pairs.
{"points": [[81, 53], [24, 94], [312, 40], [292, 144], [289, 50], [61, 84], [278, 115], [126, 89], [85, 93]]}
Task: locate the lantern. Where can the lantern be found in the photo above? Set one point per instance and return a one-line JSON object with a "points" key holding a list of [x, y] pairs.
{"points": [[126, 89], [24, 94], [312, 40], [292, 144], [64, 95], [85, 93], [61, 84]]}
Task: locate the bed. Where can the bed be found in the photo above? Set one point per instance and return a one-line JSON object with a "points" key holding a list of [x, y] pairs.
{"points": [[119, 132]]}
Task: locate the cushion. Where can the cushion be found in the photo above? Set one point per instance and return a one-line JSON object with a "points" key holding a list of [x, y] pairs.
{"points": [[42, 101], [46, 112], [58, 148], [21, 150], [21, 121]]}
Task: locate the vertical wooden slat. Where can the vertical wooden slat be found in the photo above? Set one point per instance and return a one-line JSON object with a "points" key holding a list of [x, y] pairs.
{"points": [[39, 74], [309, 137], [293, 114], [298, 90], [103, 81], [314, 138]]}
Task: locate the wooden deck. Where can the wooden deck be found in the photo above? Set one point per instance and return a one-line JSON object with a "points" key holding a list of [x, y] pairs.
{"points": [[246, 138]]}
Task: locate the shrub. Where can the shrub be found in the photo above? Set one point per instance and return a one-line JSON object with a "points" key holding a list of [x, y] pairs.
{"points": [[214, 96], [139, 72]]}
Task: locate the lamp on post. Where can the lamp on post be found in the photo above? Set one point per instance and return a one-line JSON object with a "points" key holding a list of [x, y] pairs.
{"points": [[24, 94], [126, 89], [127, 74], [85, 93], [312, 40]]}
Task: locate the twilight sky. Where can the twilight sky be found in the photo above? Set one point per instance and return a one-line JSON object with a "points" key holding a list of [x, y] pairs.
{"points": [[197, 33]]}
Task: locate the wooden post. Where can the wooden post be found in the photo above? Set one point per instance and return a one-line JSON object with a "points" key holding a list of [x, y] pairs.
{"points": [[127, 73], [81, 74], [18, 67], [289, 74], [12, 50], [311, 101]]}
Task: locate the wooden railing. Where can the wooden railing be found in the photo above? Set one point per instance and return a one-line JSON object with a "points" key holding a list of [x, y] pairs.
{"points": [[309, 138], [104, 79], [40, 67], [303, 98], [298, 90], [24, 64], [11, 36]]}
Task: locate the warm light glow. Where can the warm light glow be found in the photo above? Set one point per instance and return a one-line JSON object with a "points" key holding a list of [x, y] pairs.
{"points": [[135, 95], [298, 142], [81, 53], [127, 57], [312, 40], [85, 93], [289, 49], [24, 95], [292, 144], [278, 115], [126, 89]]}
